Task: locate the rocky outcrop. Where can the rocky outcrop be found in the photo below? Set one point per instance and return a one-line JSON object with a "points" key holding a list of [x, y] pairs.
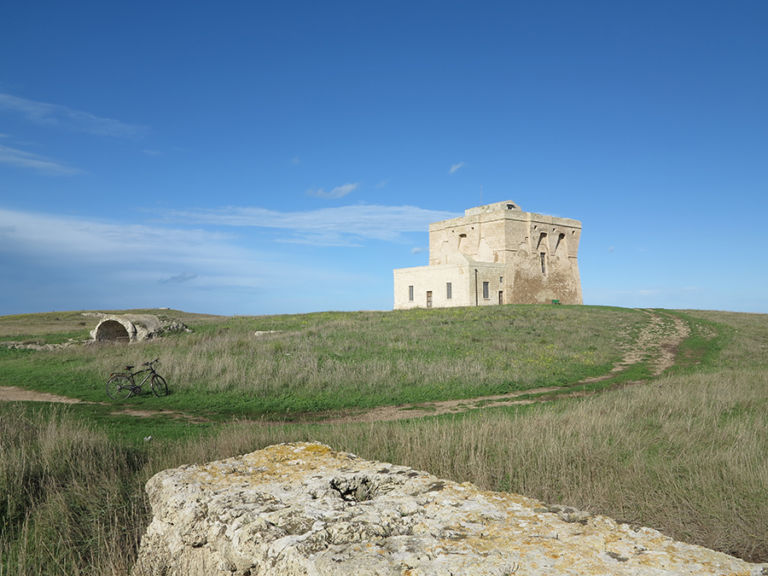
{"points": [[303, 509]]}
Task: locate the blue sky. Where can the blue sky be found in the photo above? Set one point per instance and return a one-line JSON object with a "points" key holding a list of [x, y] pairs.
{"points": [[279, 157]]}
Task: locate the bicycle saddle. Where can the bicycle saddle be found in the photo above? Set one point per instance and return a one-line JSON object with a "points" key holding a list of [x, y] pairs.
{"points": [[129, 367]]}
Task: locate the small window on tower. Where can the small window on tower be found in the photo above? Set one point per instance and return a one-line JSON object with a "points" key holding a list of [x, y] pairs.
{"points": [[448, 290], [486, 292], [410, 293], [543, 256]]}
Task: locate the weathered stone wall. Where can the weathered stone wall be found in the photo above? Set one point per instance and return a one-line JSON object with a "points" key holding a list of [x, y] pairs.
{"points": [[537, 255], [557, 239], [303, 509]]}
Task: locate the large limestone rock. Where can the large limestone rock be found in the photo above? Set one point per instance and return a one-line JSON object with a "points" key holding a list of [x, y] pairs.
{"points": [[303, 509]]}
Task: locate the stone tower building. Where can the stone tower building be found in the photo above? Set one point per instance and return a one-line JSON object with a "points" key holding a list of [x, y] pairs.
{"points": [[495, 254]]}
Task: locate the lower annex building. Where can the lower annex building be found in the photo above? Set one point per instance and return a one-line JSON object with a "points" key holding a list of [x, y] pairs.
{"points": [[495, 254]]}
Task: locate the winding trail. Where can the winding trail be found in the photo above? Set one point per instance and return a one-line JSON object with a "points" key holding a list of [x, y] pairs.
{"points": [[16, 394], [657, 343]]}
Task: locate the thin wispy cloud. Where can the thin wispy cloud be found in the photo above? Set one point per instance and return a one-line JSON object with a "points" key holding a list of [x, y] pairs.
{"points": [[125, 265], [343, 225], [44, 113], [24, 159], [335, 193], [179, 278], [456, 167], [103, 241]]}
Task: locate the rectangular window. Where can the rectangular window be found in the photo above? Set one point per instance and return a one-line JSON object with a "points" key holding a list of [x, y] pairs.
{"points": [[410, 293], [486, 293], [448, 291], [543, 263]]}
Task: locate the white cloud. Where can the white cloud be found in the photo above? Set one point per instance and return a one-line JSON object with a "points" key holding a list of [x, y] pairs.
{"points": [[456, 167], [23, 159], [81, 263], [338, 192], [417, 250], [98, 242], [61, 116], [343, 225]]}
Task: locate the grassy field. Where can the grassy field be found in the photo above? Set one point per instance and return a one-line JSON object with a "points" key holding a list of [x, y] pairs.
{"points": [[332, 361], [684, 452]]}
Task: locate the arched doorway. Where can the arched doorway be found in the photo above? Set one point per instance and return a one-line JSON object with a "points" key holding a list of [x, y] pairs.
{"points": [[112, 331]]}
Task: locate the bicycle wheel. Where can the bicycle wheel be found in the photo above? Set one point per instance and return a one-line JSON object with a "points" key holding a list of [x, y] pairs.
{"points": [[119, 387], [159, 386]]}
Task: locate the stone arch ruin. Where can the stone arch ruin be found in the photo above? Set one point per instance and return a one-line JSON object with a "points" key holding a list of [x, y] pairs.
{"points": [[113, 330], [126, 328]]}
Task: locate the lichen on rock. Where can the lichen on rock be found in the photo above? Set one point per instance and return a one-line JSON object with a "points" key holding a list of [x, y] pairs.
{"points": [[304, 509]]}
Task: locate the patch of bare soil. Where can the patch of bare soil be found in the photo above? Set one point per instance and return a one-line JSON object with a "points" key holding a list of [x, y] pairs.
{"points": [[387, 413], [14, 394], [153, 413]]}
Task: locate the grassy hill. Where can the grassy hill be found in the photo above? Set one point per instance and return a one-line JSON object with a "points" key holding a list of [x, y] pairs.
{"points": [[656, 418], [279, 365]]}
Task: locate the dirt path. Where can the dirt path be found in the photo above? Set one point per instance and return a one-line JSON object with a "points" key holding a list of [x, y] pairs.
{"points": [[15, 394], [656, 343]]}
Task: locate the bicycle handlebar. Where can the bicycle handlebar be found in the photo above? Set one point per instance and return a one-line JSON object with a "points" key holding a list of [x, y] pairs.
{"points": [[151, 362]]}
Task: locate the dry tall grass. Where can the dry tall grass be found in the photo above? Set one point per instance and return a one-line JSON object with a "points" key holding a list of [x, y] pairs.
{"points": [[685, 454], [322, 361], [72, 501]]}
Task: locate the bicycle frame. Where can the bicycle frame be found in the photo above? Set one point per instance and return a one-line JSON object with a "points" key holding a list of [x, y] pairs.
{"points": [[150, 370], [120, 383]]}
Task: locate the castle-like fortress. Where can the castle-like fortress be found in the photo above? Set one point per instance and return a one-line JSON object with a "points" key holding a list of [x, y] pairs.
{"points": [[495, 254]]}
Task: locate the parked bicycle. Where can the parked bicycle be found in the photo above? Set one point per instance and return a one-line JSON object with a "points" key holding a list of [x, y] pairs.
{"points": [[122, 385]]}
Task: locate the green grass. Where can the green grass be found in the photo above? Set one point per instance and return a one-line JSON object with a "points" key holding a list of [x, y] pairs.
{"points": [[683, 453], [701, 350], [331, 361]]}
